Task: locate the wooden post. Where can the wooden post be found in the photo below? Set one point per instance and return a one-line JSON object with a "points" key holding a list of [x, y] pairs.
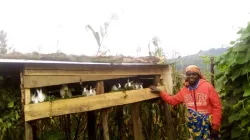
{"points": [[136, 121], [104, 112], [212, 70], [168, 83], [28, 125], [22, 93]]}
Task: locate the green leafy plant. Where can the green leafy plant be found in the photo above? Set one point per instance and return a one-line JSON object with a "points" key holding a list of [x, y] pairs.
{"points": [[234, 85], [10, 108]]}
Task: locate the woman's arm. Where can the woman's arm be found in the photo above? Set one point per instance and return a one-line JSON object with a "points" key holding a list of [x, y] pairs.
{"points": [[173, 100], [217, 108]]}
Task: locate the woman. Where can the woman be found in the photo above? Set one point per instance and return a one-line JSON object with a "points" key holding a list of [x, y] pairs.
{"points": [[203, 104]]}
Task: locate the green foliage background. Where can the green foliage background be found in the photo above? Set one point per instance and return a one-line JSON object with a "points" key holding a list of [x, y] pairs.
{"points": [[233, 82], [11, 123]]}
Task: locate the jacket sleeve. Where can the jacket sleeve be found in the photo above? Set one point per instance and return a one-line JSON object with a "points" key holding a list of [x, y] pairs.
{"points": [[217, 108], [173, 100]]}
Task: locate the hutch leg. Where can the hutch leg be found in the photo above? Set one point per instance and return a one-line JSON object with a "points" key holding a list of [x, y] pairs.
{"points": [[28, 125], [136, 121]]}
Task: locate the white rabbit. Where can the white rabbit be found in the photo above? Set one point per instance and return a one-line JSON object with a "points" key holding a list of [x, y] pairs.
{"points": [[91, 91], [85, 91], [40, 96], [34, 99]]}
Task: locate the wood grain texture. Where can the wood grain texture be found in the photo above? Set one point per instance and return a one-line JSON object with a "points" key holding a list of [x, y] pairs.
{"points": [[136, 121], [43, 81], [83, 104]]}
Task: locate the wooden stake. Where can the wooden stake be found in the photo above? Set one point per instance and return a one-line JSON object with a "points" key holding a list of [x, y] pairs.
{"points": [[137, 125]]}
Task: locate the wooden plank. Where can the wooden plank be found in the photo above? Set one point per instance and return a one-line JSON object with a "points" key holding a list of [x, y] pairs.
{"points": [[146, 70], [85, 67], [42, 81], [27, 96], [126, 71], [28, 131], [136, 121], [82, 104], [167, 79]]}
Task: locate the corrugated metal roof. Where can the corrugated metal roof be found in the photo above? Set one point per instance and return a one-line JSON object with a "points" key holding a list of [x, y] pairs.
{"points": [[24, 61]]}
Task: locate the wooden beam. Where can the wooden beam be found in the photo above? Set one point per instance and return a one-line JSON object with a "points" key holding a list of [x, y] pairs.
{"points": [[83, 104], [136, 121], [95, 70], [27, 96], [22, 91], [86, 67], [42, 81], [28, 125]]}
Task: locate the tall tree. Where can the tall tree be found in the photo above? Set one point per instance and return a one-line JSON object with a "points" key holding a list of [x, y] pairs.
{"points": [[102, 34], [3, 42]]}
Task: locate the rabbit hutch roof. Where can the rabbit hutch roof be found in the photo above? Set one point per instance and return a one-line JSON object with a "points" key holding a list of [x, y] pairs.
{"points": [[106, 60], [41, 73], [13, 64]]}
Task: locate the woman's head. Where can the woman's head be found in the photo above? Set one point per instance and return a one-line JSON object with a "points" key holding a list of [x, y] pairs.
{"points": [[193, 74]]}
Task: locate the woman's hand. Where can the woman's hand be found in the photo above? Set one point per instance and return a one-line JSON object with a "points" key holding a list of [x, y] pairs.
{"points": [[154, 89]]}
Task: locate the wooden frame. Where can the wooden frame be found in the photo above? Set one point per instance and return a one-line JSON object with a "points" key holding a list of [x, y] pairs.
{"points": [[41, 75]]}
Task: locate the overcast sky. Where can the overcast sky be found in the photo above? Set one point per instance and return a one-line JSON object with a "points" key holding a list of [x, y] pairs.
{"points": [[185, 26]]}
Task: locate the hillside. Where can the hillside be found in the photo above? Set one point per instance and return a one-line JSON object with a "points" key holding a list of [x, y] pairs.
{"points": [[196, 59]]}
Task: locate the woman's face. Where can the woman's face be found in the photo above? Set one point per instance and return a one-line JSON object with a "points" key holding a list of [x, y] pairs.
{"points": [[192, 77]]}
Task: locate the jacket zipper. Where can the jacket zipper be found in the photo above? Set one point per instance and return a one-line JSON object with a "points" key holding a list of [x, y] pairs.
{"points": [[195, 101]]}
